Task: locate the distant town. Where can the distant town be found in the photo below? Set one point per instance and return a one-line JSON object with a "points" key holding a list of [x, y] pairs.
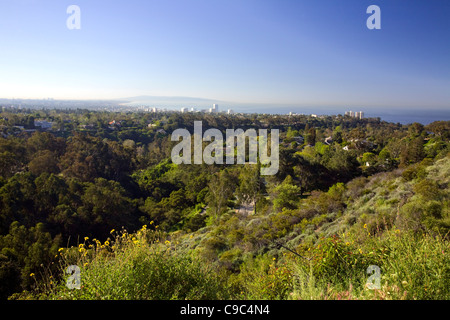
{"points": [[126, 106]]}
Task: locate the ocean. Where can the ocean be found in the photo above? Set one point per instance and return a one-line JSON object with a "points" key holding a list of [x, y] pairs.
{"points": [[396, 115]]}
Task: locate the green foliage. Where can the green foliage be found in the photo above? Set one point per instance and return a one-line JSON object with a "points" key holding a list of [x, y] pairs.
{"points": [[94, 174], [265, 278], [137, 267], [286, 195]]}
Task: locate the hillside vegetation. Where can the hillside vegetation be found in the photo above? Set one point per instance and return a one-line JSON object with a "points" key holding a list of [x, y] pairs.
{"points": [[110, 201], [389, 220]]}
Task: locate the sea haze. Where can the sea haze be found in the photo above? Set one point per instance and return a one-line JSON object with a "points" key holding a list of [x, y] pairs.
{"points": [[401, 115], [395, 115]]}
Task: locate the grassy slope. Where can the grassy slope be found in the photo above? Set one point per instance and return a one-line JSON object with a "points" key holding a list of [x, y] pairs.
{"points": [[394, 220]]}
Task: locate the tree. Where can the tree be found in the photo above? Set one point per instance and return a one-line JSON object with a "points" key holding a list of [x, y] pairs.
{"points": [[342, 163], [368, 158], [385, 160], [250, 185], [337, 135], [307, 174], [413, 152], [27, 248], [12, 156], [8, 164], [311, 136], [220, 189], [43, 161], [286, 195], [40, 141], [415, 129], [105, 207], [88, 158]]}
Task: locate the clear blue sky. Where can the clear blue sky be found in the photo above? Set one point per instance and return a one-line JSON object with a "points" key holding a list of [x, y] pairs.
{"points": [[316, 52]]}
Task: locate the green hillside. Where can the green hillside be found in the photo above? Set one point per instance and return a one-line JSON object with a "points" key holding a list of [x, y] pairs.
{"points": [[397, 221], [359, 209]]}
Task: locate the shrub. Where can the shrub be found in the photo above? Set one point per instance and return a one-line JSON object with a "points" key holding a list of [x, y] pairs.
{"points": [[132, 267]]}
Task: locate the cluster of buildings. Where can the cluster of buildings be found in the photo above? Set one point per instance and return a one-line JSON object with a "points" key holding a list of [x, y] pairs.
{"points": [[357, 114], [213, 109]]}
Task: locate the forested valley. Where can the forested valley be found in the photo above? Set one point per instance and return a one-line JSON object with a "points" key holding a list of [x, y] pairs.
{"points": [[98, 189]]}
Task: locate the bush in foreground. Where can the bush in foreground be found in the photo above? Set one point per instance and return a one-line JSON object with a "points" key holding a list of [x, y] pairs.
{"points": [[133, 267]]}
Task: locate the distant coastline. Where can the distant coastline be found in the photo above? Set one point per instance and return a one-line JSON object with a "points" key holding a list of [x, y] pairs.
{"points": [[400, 115]]}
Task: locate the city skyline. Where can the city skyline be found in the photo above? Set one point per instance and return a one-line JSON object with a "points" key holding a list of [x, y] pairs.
{"points": [[281, 52]]}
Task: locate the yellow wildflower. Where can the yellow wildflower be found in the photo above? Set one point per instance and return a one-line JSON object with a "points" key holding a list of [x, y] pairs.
{"points": [[365, 226], [151, 222], [31, 274], [167, 242], [106, 243], [86, 238], [112, 231]]}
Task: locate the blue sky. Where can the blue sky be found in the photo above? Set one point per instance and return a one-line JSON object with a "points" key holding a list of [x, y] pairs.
{"points": [[312, 52]]}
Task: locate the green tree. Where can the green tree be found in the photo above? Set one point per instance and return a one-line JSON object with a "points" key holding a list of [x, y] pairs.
{"points": [[250, 185], [220, 190], [413, 152], [105, 207], [286, 195], [43, 161], [311, 136]]}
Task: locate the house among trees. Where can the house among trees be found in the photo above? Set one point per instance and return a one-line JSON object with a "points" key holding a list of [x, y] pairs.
{"points": [[328, 140], [43, 124]]}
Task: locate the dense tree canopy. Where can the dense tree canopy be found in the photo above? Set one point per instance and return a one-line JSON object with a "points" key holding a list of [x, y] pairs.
{"points": [[98, 171]]}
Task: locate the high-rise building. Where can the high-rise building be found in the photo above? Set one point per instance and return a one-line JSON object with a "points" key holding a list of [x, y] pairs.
{"points": [[357, 114], [215, 108]]}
